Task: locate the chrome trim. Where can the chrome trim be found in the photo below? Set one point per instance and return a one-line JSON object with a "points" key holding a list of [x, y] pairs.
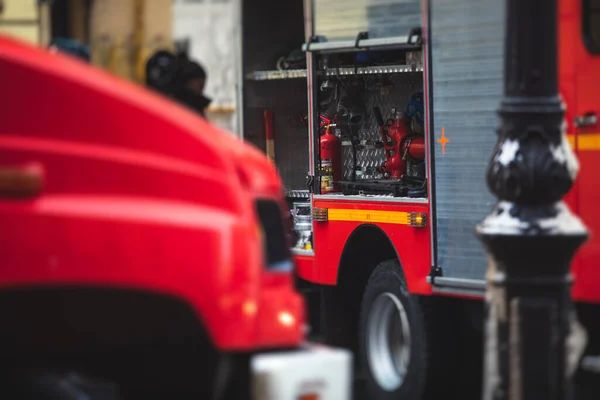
{"points": [[281, 266], [588, 119], [308, 32], [345, 45], [442, 290], [239, 44], [591, 364], [459, 283], [276, 75], [382, 69], [302, 252], [428, 134], [302, 73], [386, 199], [310, 69]]}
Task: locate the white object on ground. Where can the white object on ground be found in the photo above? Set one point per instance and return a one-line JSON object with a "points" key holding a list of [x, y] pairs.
{"points": [[315, 372]]}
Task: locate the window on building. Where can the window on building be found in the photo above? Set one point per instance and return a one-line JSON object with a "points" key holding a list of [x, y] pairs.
{"points": [[591, 25]]}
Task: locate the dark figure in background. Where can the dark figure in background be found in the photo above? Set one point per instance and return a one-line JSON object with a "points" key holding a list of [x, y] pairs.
{"points": [[178, 77], [189, 86]]}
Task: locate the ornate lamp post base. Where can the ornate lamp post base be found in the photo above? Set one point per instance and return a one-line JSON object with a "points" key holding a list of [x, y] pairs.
{"points": [[531, 236]]}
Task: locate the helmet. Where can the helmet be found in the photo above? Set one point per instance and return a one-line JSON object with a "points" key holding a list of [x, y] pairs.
{"points": [[161, 71]]}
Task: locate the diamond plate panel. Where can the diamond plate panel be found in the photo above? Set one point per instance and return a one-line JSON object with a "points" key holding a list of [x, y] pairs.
{"points": [[467, 61], [396, 95]]}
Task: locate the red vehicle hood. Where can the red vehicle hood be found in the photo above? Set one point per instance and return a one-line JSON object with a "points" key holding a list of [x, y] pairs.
{"points": [[138, 193], [59, 102]]}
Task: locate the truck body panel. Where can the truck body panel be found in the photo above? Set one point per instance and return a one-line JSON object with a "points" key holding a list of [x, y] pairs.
{"points": [[345, 217], [463, 84], [140, 193], [580, 71], [354, 63]]}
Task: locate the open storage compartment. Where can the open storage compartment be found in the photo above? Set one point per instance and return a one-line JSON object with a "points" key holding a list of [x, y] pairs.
{"points": [[366, 75], [318, 66], [273, 97], [274, 100], [369, 123]]}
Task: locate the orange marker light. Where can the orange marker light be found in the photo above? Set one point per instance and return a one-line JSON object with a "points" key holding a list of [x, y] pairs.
{"points": [[249, 308], [21, 181], [418, 219], [309, 397]]}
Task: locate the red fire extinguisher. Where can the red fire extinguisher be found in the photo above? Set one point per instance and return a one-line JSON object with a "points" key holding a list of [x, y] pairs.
{"points": [[331, 160]]}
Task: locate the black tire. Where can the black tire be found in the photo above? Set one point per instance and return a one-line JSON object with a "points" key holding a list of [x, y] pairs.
{"points": [[57, 386], [386, 290]]}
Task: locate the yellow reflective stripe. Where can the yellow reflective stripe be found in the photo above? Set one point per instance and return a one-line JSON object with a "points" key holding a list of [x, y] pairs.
{"points": [[389, 217], [586, 142]]}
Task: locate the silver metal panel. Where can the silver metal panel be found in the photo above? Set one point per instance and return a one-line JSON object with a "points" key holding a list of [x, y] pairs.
{"points": [[371, 197], [344, 45], [460, 283], [344, 19], [302, 252], [239, 66], [467, 39], [443, 290], [302, 73]]}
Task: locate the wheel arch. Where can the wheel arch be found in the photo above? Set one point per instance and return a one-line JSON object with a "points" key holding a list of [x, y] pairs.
{"points": [[381, 248], [342, 301]]}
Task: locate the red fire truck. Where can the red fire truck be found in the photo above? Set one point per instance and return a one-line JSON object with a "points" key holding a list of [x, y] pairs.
{"points": [[401, 107], [140, 245]]}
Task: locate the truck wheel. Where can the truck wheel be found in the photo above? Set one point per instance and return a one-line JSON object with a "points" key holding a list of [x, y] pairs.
{"points": [[54, 385], [392, 337]]}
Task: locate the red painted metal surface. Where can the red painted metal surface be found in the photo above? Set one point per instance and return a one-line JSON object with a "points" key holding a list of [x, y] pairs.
{"points": [[411, 244], [305, 266], [580, 87], [137, 193]]}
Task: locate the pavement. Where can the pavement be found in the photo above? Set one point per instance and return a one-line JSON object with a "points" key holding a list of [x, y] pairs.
{"points": [[586, 387]]}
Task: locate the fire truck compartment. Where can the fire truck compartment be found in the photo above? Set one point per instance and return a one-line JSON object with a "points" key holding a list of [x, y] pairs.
{"points": [[365, 77], [350, 88], [359, 57]]}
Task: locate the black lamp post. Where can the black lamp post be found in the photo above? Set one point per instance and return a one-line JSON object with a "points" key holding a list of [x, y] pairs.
{"points": [[530, 236]]}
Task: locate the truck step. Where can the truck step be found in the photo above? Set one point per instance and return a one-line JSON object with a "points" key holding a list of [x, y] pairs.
{"points": [[591, 364]]}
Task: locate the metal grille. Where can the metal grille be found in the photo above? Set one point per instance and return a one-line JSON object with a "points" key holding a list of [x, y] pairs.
{"points": [[371, 157], [344, 19], [467, 66]]}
